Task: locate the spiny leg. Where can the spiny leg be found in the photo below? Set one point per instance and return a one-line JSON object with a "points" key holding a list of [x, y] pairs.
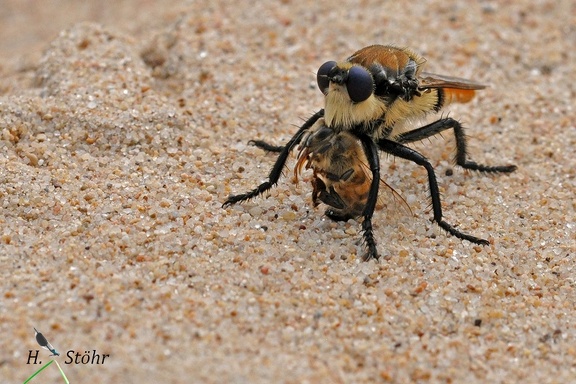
{"points": [[267, 146], [371, 152], [447, 123], [276, 171], [399, 150]]}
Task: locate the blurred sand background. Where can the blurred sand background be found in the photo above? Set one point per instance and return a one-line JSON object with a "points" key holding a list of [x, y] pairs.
{"points": [[123, 128]]}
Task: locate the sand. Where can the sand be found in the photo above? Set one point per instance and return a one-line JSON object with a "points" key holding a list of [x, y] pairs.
{"points": [[124, 127]]}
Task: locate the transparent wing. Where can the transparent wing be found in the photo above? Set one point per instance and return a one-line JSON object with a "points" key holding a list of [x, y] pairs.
{"points": [[382, 197], [432, 80]]}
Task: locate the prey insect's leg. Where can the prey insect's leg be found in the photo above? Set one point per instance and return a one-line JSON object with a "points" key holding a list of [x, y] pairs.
{"points": [[371, 152], [447, 123], [399, 150], [276, 171]]}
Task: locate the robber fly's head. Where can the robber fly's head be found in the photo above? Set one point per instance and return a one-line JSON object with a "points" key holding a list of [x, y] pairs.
{"points": [[361, 89], [349, 91], [353, 80]]}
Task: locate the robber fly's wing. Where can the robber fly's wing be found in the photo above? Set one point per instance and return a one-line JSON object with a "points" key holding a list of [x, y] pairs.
{"points": [[454, 89], [433, 80]]}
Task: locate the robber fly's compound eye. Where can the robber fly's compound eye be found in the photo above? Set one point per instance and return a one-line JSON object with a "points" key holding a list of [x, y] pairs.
{"points": [[359, 84], [322, 76]]}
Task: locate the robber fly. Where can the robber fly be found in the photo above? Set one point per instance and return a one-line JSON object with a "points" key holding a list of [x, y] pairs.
{"points": [[341, 175], [374, 95]]}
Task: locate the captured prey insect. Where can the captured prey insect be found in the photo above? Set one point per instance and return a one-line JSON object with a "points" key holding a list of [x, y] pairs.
{"points": [[374, 95], [341, 174], [44, 343]]}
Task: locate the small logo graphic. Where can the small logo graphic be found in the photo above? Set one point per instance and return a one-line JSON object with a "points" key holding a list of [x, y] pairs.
{"points": [[41, 339], [44, 343]]}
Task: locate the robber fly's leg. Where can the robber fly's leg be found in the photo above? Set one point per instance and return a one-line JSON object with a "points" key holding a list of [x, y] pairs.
{"points": [[447, 123], [276, 171], [371, 151], [267, 146], [399, 150]]}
